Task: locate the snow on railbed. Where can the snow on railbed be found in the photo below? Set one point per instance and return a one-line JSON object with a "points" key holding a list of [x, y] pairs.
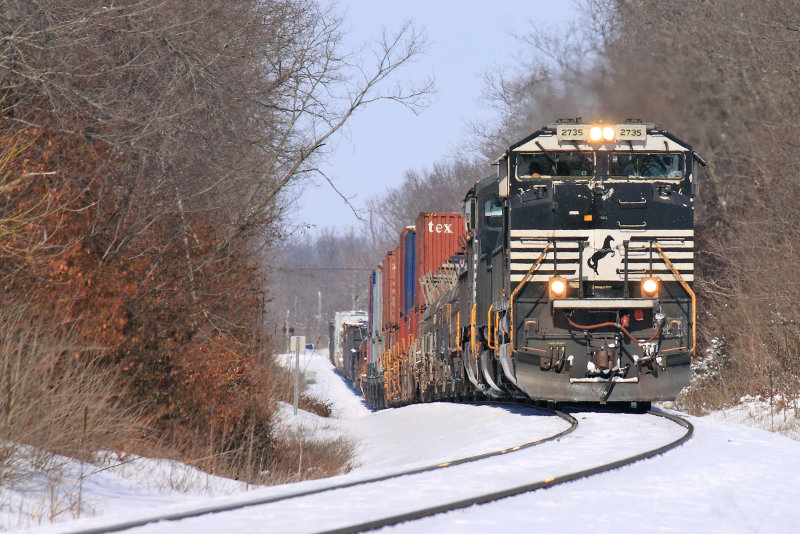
{"points": [[728, 478], [411, 436]]}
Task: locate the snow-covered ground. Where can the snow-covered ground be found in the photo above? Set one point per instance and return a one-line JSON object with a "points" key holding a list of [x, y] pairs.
{"points": [[118, 485], [775, 416], [728, 478]]}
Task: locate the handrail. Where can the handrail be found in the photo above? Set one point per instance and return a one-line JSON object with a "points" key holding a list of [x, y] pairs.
{"points": [[632, 204], [458, 332], [519, 288], [472, 343], [489, 327], [687, 289], [640, 226], [496, 326]]}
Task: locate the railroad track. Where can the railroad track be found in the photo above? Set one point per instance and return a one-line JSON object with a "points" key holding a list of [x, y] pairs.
{"points": [[209, 510], [523, 488]]}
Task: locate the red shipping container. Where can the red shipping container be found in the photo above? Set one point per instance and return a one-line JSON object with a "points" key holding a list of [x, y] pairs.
{"points": [[396, 289], [370, 317], [439, 238]]}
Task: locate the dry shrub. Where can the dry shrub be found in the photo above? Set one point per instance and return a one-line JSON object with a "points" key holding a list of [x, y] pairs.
{"points": [[55, 405], [56, 400], [299, 458], [315, 406], [751, 322], [248, 448]]}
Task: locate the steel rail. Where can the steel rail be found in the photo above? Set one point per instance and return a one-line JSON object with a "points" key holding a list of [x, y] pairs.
{"points": [[177, 516], [526, 488]]}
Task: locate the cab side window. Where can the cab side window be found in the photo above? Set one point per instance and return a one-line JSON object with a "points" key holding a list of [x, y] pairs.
{"points": [[492, 212]]}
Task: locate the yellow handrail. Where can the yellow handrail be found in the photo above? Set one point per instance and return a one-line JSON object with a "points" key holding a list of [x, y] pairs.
{"points": [[472, 329], [458, 332], [496, 326], [687, 289], [519, 288]]}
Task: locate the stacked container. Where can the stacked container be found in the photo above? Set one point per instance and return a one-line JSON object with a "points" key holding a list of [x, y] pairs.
{"points": [[407, 259], [371, 311], [439, 237], [397, 303]]}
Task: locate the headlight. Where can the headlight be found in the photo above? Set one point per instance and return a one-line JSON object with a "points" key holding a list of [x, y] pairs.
{"points": [[602, 133], [558, 287], [649, 287]]}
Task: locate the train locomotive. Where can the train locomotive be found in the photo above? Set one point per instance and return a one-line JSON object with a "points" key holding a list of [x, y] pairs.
{"points": [[566, 278]]}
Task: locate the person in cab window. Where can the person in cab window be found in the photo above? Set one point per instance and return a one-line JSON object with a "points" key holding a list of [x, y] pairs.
{"points": [[655, 165], [535, 168]]}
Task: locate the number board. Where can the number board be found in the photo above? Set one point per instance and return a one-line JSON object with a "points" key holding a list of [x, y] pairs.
{"points": [[572, 132], [631, 132]]}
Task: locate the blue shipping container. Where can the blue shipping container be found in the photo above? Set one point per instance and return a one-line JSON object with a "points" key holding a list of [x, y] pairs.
{"points": [[409, 267]]}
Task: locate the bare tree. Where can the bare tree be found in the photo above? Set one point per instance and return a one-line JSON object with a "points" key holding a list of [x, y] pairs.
{"points": [[442, 188]]}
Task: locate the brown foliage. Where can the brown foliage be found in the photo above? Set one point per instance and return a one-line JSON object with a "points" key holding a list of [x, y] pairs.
{"points": [[144, 148], [121, 251]]}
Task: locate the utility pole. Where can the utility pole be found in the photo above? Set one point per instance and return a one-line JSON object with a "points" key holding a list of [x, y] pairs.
{"points": [[295, 343], [286, 331]]}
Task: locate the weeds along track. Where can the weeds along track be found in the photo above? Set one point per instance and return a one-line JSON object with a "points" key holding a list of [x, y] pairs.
{"points": [[548, 482], [209, 510]]}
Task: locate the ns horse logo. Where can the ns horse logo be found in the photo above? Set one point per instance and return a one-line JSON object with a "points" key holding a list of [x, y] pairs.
{"points": [[600, 254]]}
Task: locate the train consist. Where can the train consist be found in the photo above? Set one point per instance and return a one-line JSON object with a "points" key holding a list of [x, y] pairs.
{"points": [[567, 278]]}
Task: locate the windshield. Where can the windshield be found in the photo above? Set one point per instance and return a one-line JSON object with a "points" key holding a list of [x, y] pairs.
{"points": [[646, 165], [551, 164]]}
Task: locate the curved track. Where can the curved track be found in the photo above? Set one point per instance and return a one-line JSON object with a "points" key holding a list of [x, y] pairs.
{"points": [[524, 488], [573, 424]]}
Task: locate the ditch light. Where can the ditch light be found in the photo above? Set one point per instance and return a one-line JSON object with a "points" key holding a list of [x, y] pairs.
{"points": [[649, 287], [557, 287]]}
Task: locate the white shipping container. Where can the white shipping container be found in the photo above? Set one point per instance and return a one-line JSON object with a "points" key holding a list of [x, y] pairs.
{"points": [[376, 333]]}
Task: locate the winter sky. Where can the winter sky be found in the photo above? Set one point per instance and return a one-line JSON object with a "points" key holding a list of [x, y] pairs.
{"points": [[466, 39]]}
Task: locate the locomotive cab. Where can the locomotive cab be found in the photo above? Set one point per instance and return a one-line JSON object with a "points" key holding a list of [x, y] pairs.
{"points": [[486, 212]]}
